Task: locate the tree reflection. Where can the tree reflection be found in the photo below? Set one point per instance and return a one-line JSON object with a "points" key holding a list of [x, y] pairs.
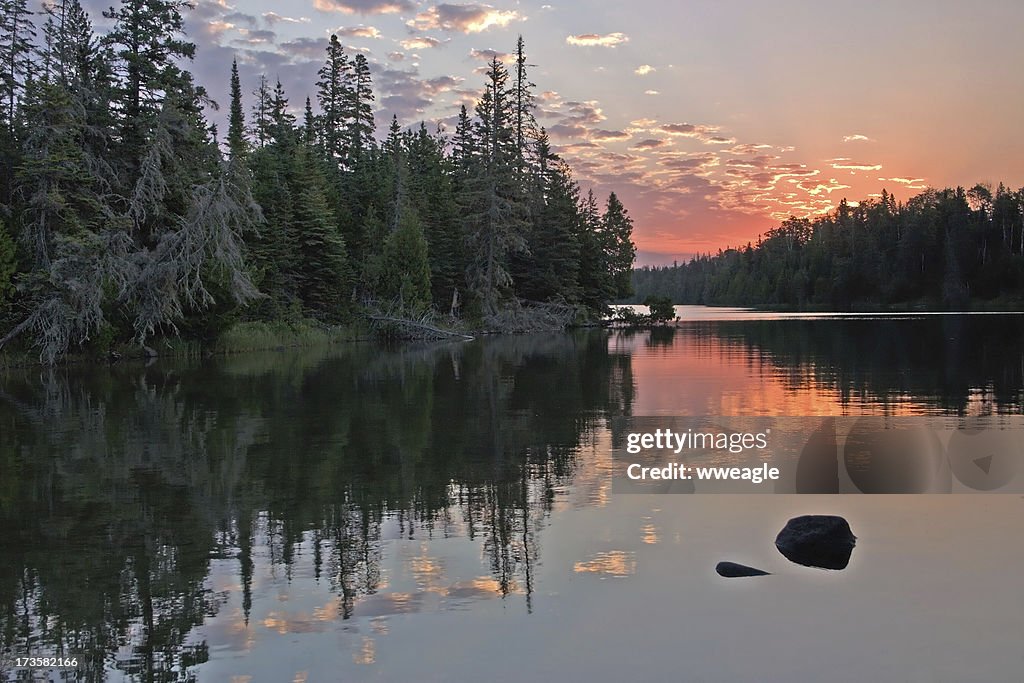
{"points": [[120, 486], [956, 364]]}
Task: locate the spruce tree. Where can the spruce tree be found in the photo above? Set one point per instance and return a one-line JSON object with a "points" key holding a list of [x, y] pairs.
{"points": [[597, 286], [491, 199], [406, 265], [334, 92], [148, 41], [522, 95], [360, 108], [237, 144], [16, 35], [261, 122], [621, 252], [322, 274]]}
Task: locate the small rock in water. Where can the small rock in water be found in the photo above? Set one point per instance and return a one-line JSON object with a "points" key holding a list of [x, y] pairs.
{"points": [[733, 570], [823, 541]]}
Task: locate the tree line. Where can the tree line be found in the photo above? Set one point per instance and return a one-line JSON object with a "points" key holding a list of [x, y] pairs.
{"points": [[124, 214], [947, 249]]}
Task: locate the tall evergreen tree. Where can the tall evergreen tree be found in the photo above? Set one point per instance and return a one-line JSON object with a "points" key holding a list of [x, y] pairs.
{"points": [[621, 252], [334, 92], [360, 108], [16, 35], [522, 95], [261, 121], [491, 199], [322, 274], [148, 40], [237, 144]]}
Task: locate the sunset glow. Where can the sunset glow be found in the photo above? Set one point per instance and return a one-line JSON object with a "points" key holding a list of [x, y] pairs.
{"points": [[710, 126]]}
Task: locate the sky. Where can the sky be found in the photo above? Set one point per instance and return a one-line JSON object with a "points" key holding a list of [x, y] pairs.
{"points": [[712, 120]]}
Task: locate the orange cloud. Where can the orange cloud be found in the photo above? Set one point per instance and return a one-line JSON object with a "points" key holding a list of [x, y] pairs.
{"points": [[363, 6], [471, 18], [595, 40]]}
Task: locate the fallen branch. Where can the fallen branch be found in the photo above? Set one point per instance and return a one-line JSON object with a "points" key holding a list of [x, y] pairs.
{"points": [[411, 328]]}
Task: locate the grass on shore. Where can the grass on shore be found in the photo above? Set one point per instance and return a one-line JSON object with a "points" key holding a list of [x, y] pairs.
{"points": [[242, 337], [265, 336]]}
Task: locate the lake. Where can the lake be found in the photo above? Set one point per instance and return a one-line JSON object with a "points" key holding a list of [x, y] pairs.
{"points": [[444, 512]]}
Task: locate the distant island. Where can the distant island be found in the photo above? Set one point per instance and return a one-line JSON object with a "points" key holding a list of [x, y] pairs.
{"points": [[951, 249]]}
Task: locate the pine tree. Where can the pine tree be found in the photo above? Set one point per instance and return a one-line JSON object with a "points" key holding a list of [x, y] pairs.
{"points": [[360, 108], [432, 194], [61, 195], [282, 122], [261, 121], [308, 125], [16, 35], [272, 247], [322, 275], [596, 282], [491, 199], [463, 144], [621, 252], [522, 95], [148, 41], [334, 91], [237, 144], [551, 271], [406, 265]]}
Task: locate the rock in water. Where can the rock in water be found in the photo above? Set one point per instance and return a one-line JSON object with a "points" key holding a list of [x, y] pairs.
{"points": [[823, 541], [732, 570]]}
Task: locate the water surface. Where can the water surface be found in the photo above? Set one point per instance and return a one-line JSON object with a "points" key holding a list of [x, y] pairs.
{"points": [[445, 513]]}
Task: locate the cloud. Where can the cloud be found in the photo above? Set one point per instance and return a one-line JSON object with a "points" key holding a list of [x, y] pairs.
{"points": [[687, 130], [650, 143], [844, 163], [488, 55], [241, 18], [695, 163], [308, 48], [651, 92], [272, 18], [255, 37], [364, 6], [644, 69], [857, 137], [595, 40], [436, 86], [909, 183], [357, 32], [567, 130], [602, 135], [748, 148], [408, 95], [817, 188], [904, 181], [420, 43], [468, 18]]}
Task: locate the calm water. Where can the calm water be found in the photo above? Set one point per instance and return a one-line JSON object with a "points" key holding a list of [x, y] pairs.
{"points": [[445, 513]]}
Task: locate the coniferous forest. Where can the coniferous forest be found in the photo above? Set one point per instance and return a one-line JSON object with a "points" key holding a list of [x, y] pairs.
{"points": [[943, 249], [126, 215]]}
